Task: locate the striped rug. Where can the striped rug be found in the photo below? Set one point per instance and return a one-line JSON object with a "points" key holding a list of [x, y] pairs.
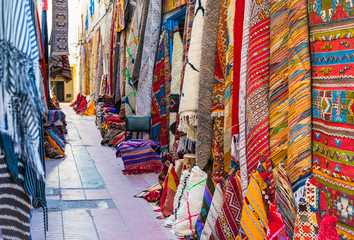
{"points": [[290, 91], [15, 204], [257, 87]]}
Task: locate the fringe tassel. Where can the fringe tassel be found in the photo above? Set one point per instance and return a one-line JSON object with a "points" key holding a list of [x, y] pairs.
{"points": [[187, 120], [150, 168]]}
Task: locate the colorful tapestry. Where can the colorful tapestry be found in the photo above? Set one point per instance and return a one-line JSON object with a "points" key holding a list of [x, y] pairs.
{"points": [[160, 93], [331, 37], [139, 156], [299, 118], [169, 5], [122, 72], [190, 210], [218, 97], [257, 85], [284, 198], [228, 222], [208, 197], [189, 97], [276, 226], [228, 76], [254, 221], [235, 34], [121, 14], [214, 211], [289, 84], [239, 112], [59, 38], [214, 21], [171, 188], [152, 33]]}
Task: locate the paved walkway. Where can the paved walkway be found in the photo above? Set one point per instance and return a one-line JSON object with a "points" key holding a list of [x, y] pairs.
{"points": [[89, 197]]}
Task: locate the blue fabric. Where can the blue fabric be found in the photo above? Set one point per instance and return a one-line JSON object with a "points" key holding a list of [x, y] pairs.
{"points": [[10, 155]]}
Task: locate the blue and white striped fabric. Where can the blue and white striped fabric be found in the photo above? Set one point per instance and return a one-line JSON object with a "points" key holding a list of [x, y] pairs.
{"points": [[20, 95]]}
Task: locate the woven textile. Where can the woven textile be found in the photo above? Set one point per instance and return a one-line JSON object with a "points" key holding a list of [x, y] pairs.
{"points": [[328, 229], [169, 5], [214, 211], [121, 14], [228, 222], [139, 156], [284, 198], [235, 33], [160, 93], [152, 33], [290, 96], [299, 117], [228, 86], [207, 62], [176, 67], [239, 140], [254, 221], [143, 7], [306, 227], [276, 226], [20, 95], [93, 62], [217, 107], [87, 72], [60, 23], [171, 188], [208, 197], [189, 97], [15, 203], [186, 43], [332, 41], [257, 85], [190, 210], [181, 194], [132, 47]]}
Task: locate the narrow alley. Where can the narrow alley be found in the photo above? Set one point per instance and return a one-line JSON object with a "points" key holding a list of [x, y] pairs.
{"points": [[88, 195]]}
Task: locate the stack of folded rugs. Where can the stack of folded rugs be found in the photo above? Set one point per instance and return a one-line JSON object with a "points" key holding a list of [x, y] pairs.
{"points": [[54, 132]]}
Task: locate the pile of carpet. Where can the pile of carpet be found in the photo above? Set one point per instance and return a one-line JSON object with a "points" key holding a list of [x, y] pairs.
{"points": [[111, 126], [83, 107], [54, 135]]}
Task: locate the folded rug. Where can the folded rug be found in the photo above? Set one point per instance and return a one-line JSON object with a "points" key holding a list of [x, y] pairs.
{"points": [[284, 198], [214, 211], [208, 197], [181, 194], [189, 97], [139, 156], [228, 223], [15, 203], [190, 210]]}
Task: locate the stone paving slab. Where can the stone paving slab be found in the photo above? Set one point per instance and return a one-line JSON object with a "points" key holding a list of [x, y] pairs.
{"points": [[88, 195]]}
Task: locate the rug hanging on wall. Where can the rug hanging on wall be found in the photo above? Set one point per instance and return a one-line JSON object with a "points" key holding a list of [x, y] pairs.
{"points": [[59, 38], [332, 65]]}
